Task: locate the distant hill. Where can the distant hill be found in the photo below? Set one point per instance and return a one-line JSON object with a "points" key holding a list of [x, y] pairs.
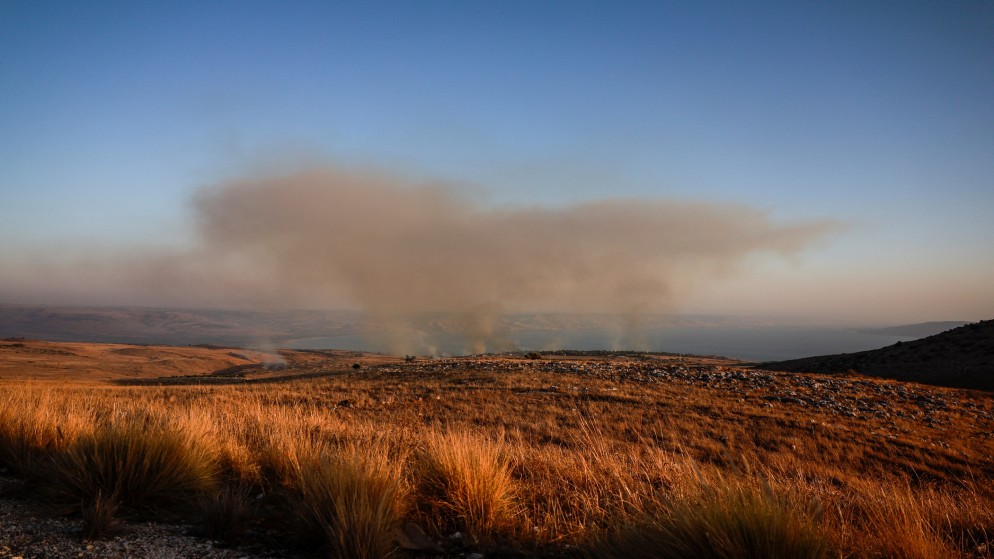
{"points": [[962, 358], [919, 330], [137, 325]]}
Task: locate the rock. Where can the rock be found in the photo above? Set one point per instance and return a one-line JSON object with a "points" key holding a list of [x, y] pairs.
{"points": [[411, 536]]}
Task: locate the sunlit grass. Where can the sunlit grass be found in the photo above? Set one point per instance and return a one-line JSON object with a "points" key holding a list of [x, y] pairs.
{"points": [[733, 520], [465, 483], [353, 498], [136, 462], [675, 470]]}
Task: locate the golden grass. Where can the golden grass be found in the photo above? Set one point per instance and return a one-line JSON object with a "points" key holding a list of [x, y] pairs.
{"points": [[733, 520], [135, 461], [543, 461], [465, 483], [36, 424], [915, 523], [353, 498]]}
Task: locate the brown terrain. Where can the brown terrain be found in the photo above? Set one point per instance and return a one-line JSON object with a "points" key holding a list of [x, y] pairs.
{"points": [[22, 359], [961, 357], [590, 442], [140, 325]]}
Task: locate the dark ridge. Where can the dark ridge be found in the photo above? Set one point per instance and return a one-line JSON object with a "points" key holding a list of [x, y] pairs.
{"points": [[919, 330], [959, 358]]}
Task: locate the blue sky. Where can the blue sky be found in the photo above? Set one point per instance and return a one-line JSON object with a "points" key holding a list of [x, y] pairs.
{"points": [[879, 115]]}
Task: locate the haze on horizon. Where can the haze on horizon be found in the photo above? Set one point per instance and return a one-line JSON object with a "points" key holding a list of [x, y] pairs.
{"points": [[834, 163]]}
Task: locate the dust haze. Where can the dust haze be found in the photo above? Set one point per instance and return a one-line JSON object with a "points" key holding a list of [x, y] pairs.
{"points": [[420, 258]]}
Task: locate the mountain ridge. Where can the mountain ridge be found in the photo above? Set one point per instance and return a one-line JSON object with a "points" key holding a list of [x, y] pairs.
{"points": [[962, 357]]}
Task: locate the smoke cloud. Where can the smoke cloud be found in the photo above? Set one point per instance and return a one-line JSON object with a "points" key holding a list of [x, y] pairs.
{"points": [[418, 257]]}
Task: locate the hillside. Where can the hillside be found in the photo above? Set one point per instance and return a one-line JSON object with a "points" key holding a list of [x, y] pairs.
{"points": [[141, 325], [961, 357], [919, 330], [572, 454]]}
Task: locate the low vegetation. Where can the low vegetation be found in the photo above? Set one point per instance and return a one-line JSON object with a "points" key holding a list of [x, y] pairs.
{"points": [[733, 520], [135, 461], [555, 457], [466, 483], [351, 497], [961, 357]]}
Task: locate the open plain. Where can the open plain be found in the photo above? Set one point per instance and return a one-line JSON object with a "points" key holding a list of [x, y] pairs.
{"points": [[559, 454]]}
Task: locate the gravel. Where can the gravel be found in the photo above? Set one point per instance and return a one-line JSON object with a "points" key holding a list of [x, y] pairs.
{"points": [[26, 532]]}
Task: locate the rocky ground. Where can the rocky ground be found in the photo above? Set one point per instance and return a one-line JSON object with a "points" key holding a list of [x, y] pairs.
{"points": [[848, 396], [29, 532]]}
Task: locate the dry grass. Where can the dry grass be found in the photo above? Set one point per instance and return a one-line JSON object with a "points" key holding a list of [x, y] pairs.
{"points": [[36, 424], [225, 514], [352, 497], [466, 484], [100, 516], [914, 523], [732, 520], [537, 455], [139, 461]]}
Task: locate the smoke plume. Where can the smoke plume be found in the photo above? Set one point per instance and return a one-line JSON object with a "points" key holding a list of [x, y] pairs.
{"points": [[421, 256]]}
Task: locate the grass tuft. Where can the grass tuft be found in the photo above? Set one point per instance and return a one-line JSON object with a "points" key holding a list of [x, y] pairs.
{"points": [[32, 429], [733, 521], [466, 484], [916, 524], [99, 517], [225, 514], [353, 499], [142, 465]]}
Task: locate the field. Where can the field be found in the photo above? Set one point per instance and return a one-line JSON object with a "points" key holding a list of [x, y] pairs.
{"points": [[556, 455]]}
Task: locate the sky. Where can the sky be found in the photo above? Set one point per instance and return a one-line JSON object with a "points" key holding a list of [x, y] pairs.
{"points": [[827, 161]]}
